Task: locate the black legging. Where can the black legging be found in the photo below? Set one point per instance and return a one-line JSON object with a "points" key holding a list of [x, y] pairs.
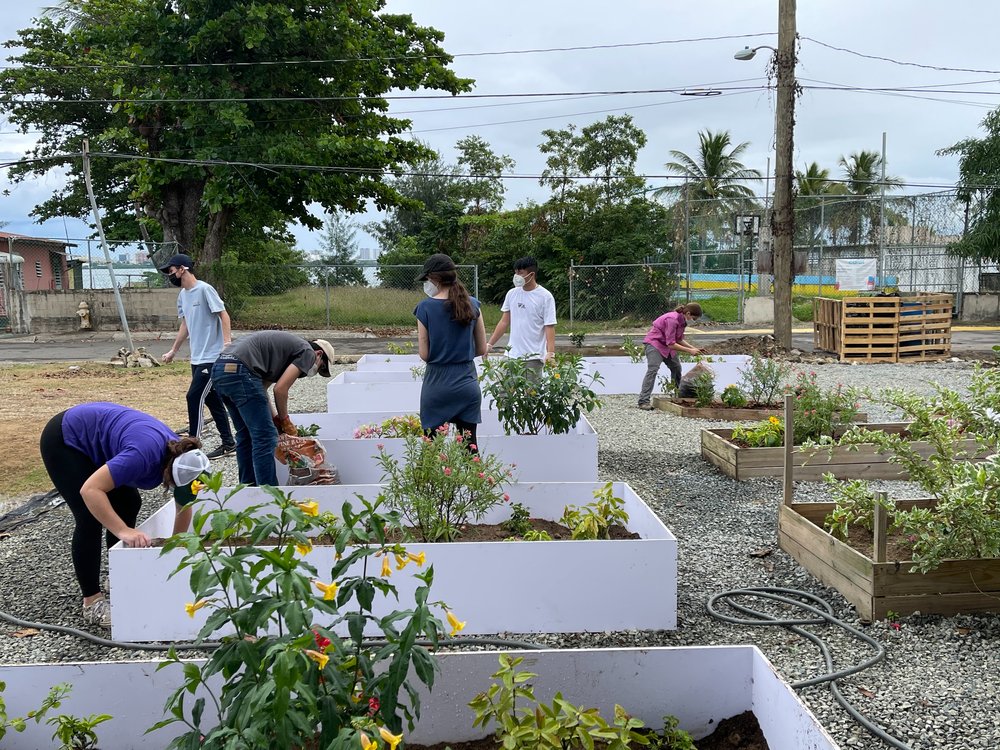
{"points": [[69, 469], [462, 427]]}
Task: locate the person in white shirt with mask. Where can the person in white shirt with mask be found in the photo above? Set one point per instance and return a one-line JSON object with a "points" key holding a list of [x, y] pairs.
{"points": [[529, 312]]}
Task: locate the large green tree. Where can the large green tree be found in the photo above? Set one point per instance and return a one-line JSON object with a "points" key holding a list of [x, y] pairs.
{"points": [[857, 215], [166, 89], [979, 173], [715, 181]]}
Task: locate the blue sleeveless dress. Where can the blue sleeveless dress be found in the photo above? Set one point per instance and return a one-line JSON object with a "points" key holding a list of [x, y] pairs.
{"points": [[451, 387]]}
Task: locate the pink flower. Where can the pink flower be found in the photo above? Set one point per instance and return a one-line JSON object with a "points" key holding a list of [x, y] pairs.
{"points": [[447, 471], [442, 456], [426, 439], [491, 480], [475, 459], [474, 447], [380, 446], [481, 475], [506, 497], [458, 438]]}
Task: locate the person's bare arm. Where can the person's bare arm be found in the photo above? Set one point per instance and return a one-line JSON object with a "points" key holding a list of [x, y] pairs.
{"points": [[281, 388], [550, 343], [182, 334], [480, 337], [501, 328], [95, 495], [182, 518], [423, 342], [227, 328]]}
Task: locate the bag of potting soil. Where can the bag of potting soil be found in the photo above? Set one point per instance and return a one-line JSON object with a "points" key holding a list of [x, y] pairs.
{"points": [[687, 389], [306, 461]]}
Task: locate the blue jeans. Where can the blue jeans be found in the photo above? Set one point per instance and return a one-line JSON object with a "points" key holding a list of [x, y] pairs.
{"points": [[242, 392]]}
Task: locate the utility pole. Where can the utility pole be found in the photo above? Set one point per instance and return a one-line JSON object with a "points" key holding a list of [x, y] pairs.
{"points": [[783, 217]]}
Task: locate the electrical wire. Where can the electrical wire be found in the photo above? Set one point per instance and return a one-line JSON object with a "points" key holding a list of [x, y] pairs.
{"points": [[819, 612], [212, 645], [894, 61]]}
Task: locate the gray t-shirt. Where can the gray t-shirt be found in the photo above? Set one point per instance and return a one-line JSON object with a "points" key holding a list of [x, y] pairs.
{"points": [[269, 353], [200, 306]]}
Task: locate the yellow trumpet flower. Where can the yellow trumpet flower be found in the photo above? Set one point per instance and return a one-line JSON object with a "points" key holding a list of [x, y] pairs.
{"points": [[418, 558], [401, 561], [197, 486], [310, 508], [367, 744], [191, 608], [457, 626], [318, 656], [304, 548], [392, 739], [329, 589], [386, 567]]}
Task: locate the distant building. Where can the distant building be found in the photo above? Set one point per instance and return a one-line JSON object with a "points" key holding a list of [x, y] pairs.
{"points": [[44, 266]]}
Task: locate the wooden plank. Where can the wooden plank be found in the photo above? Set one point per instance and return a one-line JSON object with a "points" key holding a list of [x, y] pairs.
{"points": [[952, 576], [718, 442], [934, 604], [880, 529], [727, 467], [719, 413]]}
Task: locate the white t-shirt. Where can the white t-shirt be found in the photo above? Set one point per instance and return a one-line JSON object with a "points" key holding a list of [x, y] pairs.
{"points": [[200, 307], [529, 312]]}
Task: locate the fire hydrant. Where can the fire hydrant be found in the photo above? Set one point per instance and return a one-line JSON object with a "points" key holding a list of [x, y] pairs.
{"points": [[83, 312]]}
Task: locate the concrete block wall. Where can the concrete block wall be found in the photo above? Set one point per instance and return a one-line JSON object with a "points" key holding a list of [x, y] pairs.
{"points": [[982, 307], [145, 309]]}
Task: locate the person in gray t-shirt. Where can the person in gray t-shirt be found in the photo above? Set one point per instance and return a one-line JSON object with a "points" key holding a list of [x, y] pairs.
{"points": [[205, 323], [242, 375]]}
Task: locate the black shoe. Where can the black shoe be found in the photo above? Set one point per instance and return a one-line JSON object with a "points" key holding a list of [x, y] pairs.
{"points": [[223, 450]]}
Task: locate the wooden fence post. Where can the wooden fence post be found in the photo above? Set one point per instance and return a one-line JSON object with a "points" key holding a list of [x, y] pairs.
{"points": [[789, 467]]}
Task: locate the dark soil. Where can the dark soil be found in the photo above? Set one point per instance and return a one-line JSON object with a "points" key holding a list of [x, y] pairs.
{"points": [[898, 547], [719, 405], [473, 532], [737, 733]]}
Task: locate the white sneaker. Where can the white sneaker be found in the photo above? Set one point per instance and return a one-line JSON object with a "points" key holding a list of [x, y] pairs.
{"points": [[98, 613]]}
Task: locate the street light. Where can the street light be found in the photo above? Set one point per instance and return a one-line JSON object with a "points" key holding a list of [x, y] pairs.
{"points": [[748, 54]]}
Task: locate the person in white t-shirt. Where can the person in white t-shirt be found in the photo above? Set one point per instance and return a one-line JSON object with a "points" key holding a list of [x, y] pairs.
{"points": [[529, 312], [205, 322]]}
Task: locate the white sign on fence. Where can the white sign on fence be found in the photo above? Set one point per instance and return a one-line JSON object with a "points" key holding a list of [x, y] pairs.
{"points": [[856, 273]]}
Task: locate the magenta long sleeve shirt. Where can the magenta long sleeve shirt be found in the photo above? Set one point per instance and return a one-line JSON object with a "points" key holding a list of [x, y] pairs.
{"points": [[666, 330]]}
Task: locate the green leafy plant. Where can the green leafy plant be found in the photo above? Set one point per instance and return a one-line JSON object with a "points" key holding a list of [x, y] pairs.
{"points": [[821, 413], [855, 506], [763, 380], [523, 723], [401, 426], [288, 680], [536, 536], [310, 431], [594, 520], [527, 403], [768, 433], [75, 733], [636, 352], [405, 348], [440, 484], [733, 397], [667, 386], [704, 389], [576, 338], [417, 372], [519, 522]]}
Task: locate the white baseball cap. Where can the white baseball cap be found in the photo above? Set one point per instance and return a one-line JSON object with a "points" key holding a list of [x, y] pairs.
{"points": [[188, 467]]}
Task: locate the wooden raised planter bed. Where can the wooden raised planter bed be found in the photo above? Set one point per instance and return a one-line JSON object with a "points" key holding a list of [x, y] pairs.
{"points": [[857, 462], [875, 586], [682, 407]]}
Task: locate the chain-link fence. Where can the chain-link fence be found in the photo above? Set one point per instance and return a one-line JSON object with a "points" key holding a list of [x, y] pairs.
{"points": [[632, 294]]}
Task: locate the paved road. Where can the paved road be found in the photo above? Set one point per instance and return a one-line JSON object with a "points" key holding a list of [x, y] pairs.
{"points": [[75, 347]]}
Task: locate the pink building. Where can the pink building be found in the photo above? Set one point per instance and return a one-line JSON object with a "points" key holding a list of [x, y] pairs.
{"points": [[44, 265]]}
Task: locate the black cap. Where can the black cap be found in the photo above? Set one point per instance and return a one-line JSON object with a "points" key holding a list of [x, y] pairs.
{"points": [[178, 260], [437, 263]]}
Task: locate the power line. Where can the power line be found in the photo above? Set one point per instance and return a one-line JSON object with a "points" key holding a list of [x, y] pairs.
{"points": [[496, 53], [896, 62]]}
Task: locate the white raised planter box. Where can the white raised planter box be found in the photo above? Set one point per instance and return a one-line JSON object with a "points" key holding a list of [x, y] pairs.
{"points": [[700, 685], [620, 375], [371, 390], [571, 457], [521, 587], [401, 362]]}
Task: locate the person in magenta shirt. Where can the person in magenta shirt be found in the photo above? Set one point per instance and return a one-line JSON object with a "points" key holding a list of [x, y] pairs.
{"points": [[664, 340]]}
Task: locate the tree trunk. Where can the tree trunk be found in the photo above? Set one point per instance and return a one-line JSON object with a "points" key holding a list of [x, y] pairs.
{"points": [[215, 236], [783, 217], [178, 213]]}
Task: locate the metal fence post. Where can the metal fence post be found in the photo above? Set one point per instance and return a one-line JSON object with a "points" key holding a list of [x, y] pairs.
{"points": [[326, 283], [571, 275], [475, 277], [819, 237]]}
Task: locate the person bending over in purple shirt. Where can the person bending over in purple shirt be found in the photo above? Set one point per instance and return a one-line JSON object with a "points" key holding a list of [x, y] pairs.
{"points": [[99, 456], [664, 340]]}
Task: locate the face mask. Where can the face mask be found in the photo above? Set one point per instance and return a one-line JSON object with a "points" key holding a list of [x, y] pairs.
{"points": [[518, 281], [174, 280], [312, 370], [430, 288]]}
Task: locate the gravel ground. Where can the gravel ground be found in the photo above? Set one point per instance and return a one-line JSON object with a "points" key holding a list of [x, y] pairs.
{"points": [[936, 689]]}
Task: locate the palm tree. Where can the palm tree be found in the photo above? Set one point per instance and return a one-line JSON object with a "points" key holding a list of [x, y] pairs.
{"points": [[863, 182], [812, 188]]}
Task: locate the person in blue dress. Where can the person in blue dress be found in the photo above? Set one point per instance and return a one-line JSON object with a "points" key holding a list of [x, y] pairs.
{"points": [[450, 335], [99, 455]]}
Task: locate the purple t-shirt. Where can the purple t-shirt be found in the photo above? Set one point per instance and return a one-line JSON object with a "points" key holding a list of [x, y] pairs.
{"points": [[667, 329], [131, 443]]}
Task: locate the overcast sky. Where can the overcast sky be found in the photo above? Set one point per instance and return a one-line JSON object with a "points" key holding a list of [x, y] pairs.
{"points": [[958, 34]]}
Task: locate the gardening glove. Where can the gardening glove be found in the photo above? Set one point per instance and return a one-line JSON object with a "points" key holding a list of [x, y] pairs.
{"points": [[284, 425]]}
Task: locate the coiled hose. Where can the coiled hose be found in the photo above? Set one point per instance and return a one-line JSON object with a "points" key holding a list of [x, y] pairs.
{"points": [[820, 613]]}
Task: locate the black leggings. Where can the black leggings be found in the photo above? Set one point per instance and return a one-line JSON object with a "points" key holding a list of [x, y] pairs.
{"points": [[69, 469], [462, 427]]}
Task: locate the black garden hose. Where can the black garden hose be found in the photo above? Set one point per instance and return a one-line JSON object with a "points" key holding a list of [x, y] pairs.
{"points": [[819, 613]]}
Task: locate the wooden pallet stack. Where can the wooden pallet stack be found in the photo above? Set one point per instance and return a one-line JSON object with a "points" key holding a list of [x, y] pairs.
{"points": [[884, 329]]}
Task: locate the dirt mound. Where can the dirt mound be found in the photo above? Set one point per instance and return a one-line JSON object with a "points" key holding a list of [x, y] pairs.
{"points": [[766, 346]]}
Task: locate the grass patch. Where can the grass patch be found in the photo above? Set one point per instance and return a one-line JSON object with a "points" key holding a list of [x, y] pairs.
{"points": [[802, 309], [721, 309], [32, 394]]}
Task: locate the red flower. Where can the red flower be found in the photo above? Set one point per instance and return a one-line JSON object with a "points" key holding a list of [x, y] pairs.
{"points": [[447, 471], [373, 706], [321, 641]]}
